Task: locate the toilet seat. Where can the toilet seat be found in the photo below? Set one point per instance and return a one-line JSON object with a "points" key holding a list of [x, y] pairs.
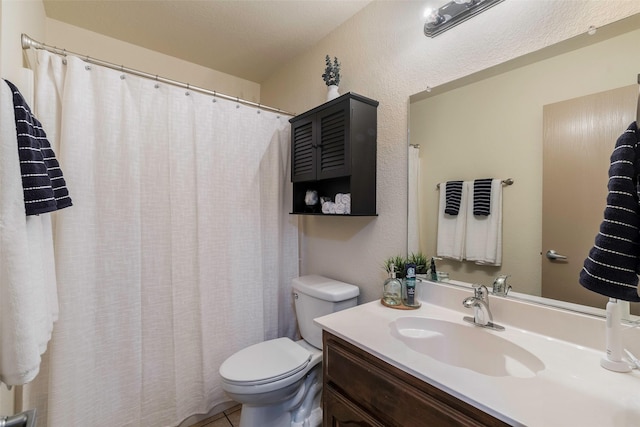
{"points": [[265, 362]]}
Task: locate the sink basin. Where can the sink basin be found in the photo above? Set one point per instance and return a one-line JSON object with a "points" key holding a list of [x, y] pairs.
{"points": [[466, 346]]}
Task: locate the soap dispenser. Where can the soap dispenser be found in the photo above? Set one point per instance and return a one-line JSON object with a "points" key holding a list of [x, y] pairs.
{"points": [[434, 272], [392, 292]]}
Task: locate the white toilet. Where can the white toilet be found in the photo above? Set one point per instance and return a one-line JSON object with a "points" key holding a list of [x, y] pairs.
{"points": [[279, 382]]}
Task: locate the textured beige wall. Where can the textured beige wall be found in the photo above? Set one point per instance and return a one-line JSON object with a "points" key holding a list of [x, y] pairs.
{"points": [[18, 17], [385, 56], [108, 49], [503, 139]]}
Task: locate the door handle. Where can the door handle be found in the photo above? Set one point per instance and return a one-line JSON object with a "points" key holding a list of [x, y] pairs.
{"points": [[553, 255]]}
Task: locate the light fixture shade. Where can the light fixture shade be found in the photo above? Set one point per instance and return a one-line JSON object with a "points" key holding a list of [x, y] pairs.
{"points": [[455, 12]]}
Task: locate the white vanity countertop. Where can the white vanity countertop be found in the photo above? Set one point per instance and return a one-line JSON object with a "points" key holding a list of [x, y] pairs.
{"points": [[570, 390]]}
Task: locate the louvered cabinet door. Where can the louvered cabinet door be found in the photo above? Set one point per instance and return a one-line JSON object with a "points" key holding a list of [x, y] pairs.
{"points": [[333, 151], [333, 147], [303, 151]]}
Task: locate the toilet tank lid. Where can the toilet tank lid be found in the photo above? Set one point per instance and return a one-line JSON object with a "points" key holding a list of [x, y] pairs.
{"points": [[325, 288]]}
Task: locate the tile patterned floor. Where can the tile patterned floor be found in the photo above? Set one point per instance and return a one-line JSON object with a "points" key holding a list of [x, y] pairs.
{"points": [[228, 418]]}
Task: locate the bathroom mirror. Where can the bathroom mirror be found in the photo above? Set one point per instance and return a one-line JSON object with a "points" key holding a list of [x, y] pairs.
{"points": [[491, 125]]}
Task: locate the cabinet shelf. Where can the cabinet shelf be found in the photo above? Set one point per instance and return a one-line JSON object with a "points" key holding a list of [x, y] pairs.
{"points": [[333, 150]]}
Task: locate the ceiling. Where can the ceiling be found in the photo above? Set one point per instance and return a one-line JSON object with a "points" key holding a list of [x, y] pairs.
{"points": [[245, 38]]}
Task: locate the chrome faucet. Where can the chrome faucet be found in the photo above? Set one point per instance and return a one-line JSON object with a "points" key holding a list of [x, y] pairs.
{"points": [[500, 286], [481, 313]]}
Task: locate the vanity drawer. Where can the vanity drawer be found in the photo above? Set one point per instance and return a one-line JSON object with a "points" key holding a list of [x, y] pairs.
{"points": [[339, 411], [389, 394]]}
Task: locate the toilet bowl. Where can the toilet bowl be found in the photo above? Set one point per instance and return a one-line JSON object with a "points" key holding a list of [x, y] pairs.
{"points": [[279, 381]]}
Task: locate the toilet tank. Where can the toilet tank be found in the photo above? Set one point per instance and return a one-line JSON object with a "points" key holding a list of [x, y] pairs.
{"points": [[316, 296]]}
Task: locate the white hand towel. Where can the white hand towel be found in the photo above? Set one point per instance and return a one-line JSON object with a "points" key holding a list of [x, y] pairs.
{"points": [[28, 302], [483, 243], [340, 208], [326, 207], [346, 201], [451, 229]]}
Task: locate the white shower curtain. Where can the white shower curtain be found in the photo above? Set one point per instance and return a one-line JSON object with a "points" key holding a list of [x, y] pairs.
{"points": [[178, 251], [413, 208]]}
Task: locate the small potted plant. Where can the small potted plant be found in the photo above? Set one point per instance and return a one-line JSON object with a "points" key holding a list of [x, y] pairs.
{"points": [[331, 77], [420, 261], [399, 263]]}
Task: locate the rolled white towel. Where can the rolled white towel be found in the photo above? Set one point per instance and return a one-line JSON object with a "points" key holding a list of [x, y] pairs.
{"points": [[326, 207], [347, 208], [338, 198], [332, 208], [340, 208], [346, 198]]}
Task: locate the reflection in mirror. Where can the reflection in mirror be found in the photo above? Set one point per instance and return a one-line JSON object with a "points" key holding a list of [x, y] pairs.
{"points": [[492, 125]]}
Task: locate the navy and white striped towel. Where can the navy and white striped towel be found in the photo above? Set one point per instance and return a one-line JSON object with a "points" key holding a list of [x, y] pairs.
{"points": [[43, 184], [453, 194], [482, 197], [613, 263]]}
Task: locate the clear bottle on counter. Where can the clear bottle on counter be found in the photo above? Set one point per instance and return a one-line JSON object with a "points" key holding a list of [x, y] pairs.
{"points": [[392, 289]]}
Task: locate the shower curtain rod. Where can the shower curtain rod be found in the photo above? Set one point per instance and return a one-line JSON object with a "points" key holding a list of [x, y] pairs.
{"points": [[28, 42]]}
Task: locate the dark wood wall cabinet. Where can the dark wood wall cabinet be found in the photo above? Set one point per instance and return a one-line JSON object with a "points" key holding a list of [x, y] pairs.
{"points": [[362, 390], [333, 150]]}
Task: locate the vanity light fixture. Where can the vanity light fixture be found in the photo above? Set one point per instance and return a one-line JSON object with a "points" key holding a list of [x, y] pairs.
{"points": [[453, 13]]}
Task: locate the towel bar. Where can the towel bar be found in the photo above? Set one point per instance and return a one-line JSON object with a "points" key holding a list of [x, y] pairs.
{"points": [[507, 181]]}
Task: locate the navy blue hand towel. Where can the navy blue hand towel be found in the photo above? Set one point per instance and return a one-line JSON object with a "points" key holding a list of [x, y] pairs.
{"points": [[613, 263], [453, 196], [43, 185], [482, 197]]}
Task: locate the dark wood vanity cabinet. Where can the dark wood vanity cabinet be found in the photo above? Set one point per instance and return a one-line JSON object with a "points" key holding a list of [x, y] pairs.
{"points": [[333, 150], [362, 390]]}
